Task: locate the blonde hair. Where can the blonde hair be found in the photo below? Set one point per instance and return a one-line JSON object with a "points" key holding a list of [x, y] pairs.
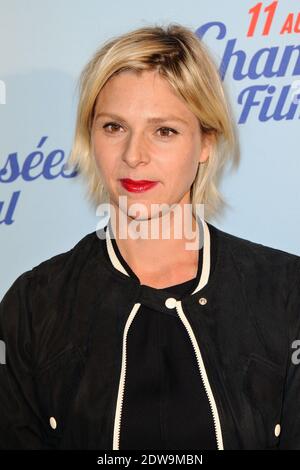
{"points": [[184, 61]]}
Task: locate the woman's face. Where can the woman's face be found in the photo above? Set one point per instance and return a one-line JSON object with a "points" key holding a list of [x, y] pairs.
{"points": [[143, 131]]}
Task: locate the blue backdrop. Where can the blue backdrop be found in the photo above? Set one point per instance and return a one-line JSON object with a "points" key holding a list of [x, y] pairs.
{"points": [[43, 47]]}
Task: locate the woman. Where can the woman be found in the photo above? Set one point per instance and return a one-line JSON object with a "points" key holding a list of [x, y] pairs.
{"points": [[138, 338]]}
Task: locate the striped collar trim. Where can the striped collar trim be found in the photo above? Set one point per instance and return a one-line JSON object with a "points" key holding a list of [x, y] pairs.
{"points": [[206, 260]]}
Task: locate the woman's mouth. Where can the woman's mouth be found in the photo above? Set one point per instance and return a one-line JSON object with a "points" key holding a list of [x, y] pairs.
{"points": [[138, 186]]}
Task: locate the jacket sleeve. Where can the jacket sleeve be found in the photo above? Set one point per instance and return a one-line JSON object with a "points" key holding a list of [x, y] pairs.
{"points": [[290, 422], [20, 420]]}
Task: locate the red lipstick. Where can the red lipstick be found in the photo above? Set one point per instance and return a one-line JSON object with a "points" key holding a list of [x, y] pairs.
{"points": [[138, 186]]}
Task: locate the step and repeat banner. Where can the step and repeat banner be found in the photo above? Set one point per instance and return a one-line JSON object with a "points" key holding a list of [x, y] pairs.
{"points": [[43, 47]]}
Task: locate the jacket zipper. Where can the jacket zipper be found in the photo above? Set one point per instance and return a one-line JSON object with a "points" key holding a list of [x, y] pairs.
{"points": [[118, 412], [203, 374]]}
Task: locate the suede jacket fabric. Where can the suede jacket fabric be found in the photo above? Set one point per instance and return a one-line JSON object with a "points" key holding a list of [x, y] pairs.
{"points": [[65, 326]]}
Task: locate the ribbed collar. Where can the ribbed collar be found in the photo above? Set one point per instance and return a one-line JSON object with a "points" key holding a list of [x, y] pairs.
{"points": [[204, 235]]}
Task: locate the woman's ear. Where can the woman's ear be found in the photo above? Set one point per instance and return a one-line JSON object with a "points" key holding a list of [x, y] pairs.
{"points": [[207, 144]]}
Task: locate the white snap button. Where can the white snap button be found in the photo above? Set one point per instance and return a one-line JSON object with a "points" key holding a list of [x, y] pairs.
{"points": [[202, 301], [170, 302], [277, 430], [53, 423]]}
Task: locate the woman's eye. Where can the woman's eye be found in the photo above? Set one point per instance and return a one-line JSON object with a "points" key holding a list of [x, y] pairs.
{"points": [[113, 126], [166, 131]]}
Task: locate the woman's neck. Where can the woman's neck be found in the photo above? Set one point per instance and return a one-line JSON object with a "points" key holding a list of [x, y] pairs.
{"points": [[160, 260]]}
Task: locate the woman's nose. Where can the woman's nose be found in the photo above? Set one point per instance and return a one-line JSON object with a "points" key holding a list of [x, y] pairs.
{"points": [[136, 151]]}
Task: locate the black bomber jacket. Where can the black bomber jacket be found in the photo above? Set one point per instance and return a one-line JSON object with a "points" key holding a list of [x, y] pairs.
{"points": [[65, 323]]}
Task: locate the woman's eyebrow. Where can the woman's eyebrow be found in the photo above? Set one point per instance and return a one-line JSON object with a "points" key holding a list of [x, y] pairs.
{"points": [[152, 120]]}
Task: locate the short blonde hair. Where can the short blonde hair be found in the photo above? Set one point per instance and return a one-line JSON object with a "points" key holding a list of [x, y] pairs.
{"points": [[184, 61]]}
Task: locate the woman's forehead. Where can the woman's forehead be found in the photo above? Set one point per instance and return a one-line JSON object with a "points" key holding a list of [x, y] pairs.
{"points": [[151, 91]]}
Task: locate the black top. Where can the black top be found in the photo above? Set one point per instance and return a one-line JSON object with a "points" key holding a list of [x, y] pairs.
{"points": [[165, 405]]}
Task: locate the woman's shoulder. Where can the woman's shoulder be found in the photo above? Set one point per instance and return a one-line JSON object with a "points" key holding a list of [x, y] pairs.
{"points": [[254, 256], [57, 267], [78, 252], [249, 246]]}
